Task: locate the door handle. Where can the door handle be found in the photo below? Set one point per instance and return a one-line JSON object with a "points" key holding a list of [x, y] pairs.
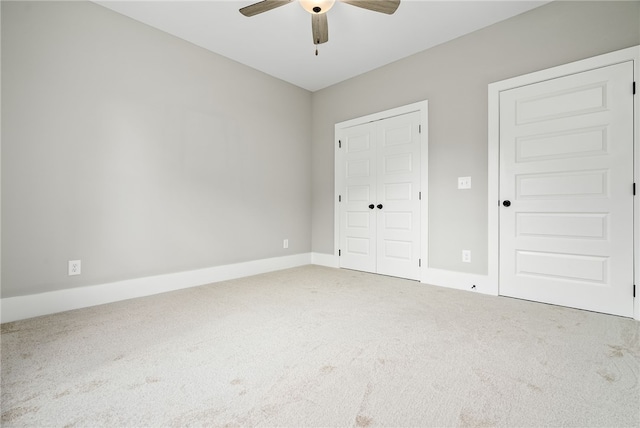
{"points": [[371, 206], [379, 206], [506, 203]]}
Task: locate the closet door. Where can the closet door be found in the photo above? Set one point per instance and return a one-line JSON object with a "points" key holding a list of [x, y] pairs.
{"points": [[380, 212], [398, 193], [357, 214]]}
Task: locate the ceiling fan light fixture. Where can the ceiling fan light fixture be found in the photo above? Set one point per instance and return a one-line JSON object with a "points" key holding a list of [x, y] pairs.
{"points": [[318, 10], [317, 6]]}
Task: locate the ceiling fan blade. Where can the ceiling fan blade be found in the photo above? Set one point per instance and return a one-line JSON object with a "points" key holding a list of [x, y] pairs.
{"points": [[262, 6], [383, 6], [320, 28]]}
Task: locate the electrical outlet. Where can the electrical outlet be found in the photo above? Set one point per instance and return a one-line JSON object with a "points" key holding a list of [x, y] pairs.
{"points": [[464, 182], [75, 267], [285, 243], [466, 256]]}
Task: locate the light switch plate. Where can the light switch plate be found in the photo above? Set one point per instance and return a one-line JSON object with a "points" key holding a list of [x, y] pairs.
{"points": [[464, 182]]}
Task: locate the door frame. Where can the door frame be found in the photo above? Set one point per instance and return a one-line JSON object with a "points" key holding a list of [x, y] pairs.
{"points": [[616, 57], [421, 107]]}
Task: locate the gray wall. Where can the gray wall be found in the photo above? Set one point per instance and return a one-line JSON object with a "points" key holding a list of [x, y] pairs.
{"points": [[142, 154], [454, 78], [139, 153]]}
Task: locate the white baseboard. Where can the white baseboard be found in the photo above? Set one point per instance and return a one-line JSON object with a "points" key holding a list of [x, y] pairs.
{"points": [[321, 259], [459, 281], [22, 307], [439, 277], [483, 283], [34, 305]]}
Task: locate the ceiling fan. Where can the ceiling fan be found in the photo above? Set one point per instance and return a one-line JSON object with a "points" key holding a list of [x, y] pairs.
{"points": [[318, 10]]}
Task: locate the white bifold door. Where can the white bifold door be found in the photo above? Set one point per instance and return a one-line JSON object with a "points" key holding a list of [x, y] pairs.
{"points": [[380, 197], [566, 191]]}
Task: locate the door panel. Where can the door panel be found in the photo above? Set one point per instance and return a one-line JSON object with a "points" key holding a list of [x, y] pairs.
{"points": [[566, 166], [558, 102], [562, 266], [562, 145], [562, 225], [562, 185]]}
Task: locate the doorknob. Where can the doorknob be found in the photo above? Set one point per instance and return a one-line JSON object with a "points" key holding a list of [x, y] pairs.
{"points": [[379, 206], [371, 206], [506, 203]]}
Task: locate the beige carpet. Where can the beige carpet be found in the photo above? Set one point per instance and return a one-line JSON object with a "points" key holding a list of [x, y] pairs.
{"points": [[315, 346]]}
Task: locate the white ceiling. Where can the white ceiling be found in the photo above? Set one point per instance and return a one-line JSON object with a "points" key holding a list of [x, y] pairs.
{"points": [[279, 42]]}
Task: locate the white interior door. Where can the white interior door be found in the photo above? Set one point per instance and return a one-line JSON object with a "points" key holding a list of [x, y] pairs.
{"points": [[566, 167], [380, 207], [398, 185], [357, 215]]}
